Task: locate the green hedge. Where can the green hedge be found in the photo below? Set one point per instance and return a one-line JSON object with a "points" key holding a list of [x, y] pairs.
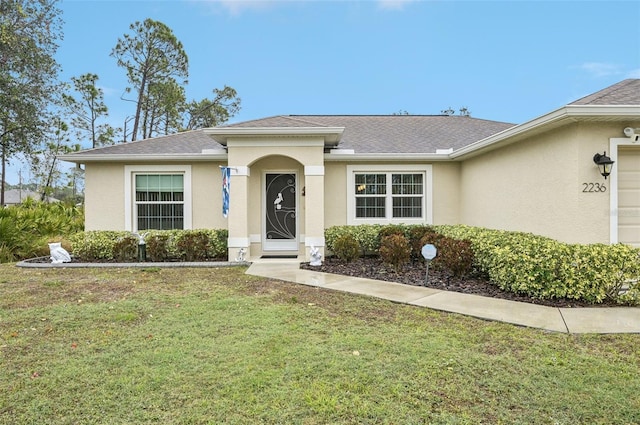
{"points": [[519, 262], [367, 236], [161, 245], [545, 268]]}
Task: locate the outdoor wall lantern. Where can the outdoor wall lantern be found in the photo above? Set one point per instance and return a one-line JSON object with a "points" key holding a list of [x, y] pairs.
{"points": [[604, 164]]}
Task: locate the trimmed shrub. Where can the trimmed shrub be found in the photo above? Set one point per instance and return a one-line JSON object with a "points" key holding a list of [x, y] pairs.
{"points": [[392, 229], [545, 268], [367, 236], [217, 248], [157, 246], [96, 245], [346, 248], [395, 250], [332, 234], [192, 245], [455, 255], [126, 249], [419, 236], [161, 245], [518, 262]]}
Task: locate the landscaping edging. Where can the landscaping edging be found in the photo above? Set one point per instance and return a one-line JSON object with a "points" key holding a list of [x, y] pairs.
{"points": [[48, 265]]}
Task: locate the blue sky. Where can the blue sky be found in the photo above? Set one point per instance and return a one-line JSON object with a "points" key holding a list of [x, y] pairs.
{"points": [[508, 61]]}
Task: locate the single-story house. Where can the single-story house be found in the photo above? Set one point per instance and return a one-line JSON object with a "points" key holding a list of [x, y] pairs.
{"points": [[293, 176], [18, 196]]}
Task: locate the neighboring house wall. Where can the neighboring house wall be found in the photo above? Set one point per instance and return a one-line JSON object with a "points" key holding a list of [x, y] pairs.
{"points": [[18, 196], [536, 185]]}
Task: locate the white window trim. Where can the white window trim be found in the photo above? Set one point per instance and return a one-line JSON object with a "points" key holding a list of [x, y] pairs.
{"points": [[130, 224], [427, 207]]}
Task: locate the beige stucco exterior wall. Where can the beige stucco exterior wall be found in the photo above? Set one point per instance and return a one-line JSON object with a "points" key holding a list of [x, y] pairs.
{"points": [[104, 196], [256, 196], [252, 157], [446, 191], [536, 185], [335, 188], [206, 186]]}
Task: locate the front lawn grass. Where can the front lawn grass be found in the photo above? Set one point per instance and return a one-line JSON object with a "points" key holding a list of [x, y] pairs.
{"points": [[187, 346]]}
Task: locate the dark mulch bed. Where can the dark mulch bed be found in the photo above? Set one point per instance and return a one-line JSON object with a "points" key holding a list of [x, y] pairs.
{"points": [[414, 274]]}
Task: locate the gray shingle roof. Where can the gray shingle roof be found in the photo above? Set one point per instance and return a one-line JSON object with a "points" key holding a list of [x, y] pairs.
{"points": [[626, 92], [188, 142], [365, 134], [393, 133]]}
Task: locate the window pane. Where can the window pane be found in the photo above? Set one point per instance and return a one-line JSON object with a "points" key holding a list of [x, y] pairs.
{"points": [[407, 184], [160, 182], [159, 201], [142, 182], [153, 182], [371, 184], [159, 216], [407, 207], [401, 192], [370, 207], [165, 183]]}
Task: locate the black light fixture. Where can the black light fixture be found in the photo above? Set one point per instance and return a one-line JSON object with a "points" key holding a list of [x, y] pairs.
{"points": [[604, 163]]}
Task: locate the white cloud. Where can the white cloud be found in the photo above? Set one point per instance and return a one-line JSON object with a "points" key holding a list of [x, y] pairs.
{"points": [[600, 69], [236, 7], [108, 91], [393, 4]]}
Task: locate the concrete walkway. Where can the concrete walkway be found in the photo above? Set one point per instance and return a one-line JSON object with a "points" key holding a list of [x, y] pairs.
{"points": [[568, 320]]}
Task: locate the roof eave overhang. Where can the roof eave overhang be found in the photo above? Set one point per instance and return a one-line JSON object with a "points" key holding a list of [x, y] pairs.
{"points": [[331, 135], [564, 115], [85, 158], [382, 157]]}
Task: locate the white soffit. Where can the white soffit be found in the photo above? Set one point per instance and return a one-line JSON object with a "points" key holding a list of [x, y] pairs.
{"points": [[167, 157], [396, 157]]}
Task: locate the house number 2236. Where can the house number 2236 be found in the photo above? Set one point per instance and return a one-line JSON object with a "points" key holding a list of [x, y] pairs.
{"points": [[593, 187]]}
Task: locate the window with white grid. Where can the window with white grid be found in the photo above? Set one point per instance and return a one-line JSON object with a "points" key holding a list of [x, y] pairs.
{"points": [[157, 197], [391, 195], [159, 201]]}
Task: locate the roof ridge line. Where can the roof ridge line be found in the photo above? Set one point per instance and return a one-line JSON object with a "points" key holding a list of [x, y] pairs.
{"points": [[293, 118]]}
